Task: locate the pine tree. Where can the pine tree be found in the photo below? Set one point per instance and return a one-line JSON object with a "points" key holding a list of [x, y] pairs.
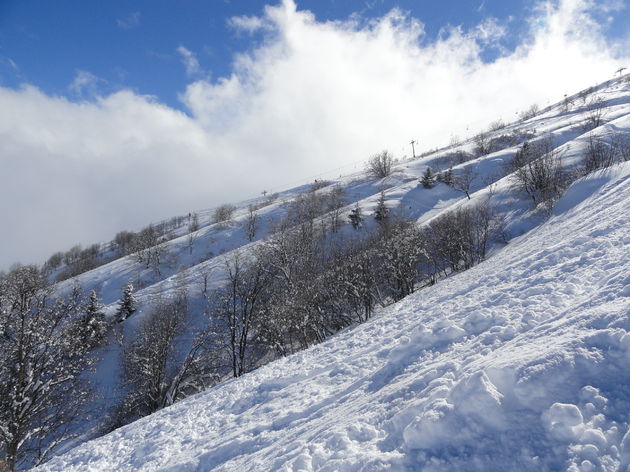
{"points": [[445, 177], [92, 324], [356, 217], [428, 179], [381, 212], [127, 304]]}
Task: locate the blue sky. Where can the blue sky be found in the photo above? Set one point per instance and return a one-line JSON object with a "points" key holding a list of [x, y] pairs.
{"points": [[133, 44], [114, 114]]}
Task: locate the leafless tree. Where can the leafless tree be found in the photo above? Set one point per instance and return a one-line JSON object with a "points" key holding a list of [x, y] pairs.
{"points": [[43, 392], [223, 214], [380, 165], [537, 170], [598, 154], [596, 114], [238, 308], [251, 222], [158, 367], [336, 201], [482, 144], [463, 180]]}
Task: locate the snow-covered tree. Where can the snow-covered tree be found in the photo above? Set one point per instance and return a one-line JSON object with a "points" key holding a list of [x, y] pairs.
{"points": [[381, 212], [380, 165], [250, 224], [42, 390], [356, 217], [428, 179], [127, 304], [91, 326], [238, 308], [158, 368]]}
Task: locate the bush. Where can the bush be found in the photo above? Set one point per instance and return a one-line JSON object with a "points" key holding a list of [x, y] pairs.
{"points": [[223, 214], [537, 170], [598, 154], [380, 165], [530, 113]]}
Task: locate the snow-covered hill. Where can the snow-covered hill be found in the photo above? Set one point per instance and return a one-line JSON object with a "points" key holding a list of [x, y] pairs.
{"points": [[520, 363]]}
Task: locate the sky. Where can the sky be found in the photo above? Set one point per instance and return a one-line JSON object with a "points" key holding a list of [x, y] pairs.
{"points": [[116, 114]]}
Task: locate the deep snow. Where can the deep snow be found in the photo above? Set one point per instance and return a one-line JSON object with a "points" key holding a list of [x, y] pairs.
{"points": [[520, 363], [517, 364]]}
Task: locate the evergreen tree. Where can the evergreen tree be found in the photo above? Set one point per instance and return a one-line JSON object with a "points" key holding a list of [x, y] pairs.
{"points": [[127, 304], [381, 212], [92, 325], [428, 179], [445, 177], [356, 217]]}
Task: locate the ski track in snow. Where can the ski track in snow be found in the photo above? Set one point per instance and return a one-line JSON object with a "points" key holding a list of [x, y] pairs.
{"points": [[520, 363]]}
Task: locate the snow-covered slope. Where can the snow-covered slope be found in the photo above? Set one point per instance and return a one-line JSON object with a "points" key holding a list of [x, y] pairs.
{"points": [[520, 363]]}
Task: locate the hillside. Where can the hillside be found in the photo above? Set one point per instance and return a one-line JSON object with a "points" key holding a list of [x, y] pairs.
{"points": [[516, 363], [519, 363]]}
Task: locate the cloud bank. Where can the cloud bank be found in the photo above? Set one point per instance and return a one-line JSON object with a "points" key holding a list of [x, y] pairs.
{"points": [[311, 97]]}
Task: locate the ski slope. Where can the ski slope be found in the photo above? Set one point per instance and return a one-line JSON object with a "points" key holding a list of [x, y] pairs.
{"points": [[520, 363]]}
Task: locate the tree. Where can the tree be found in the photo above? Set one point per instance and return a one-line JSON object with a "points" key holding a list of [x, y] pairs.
{"points": [[446, 177], [537, 170], [482, 144], [356, 216], [462, 181], [598, 154], [380, 165], [381, 212], [43, 392], [193, 224], [596, 114], [336, 201], [400, 252], [157, 369], [222, 215], [91, 326], [238, 308], [127, 304], [428, 179], [251, 223]]}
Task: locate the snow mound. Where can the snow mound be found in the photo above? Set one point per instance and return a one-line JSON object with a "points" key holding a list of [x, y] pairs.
{"points": [[520, 363]]}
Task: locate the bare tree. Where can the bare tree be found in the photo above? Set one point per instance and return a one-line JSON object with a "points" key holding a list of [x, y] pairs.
{"points": [[482, 144], [336, 201], [463, 180], [537, 170], [238, 306], [530, 113], [43, 392], [251, 222], [193, 224], [157, 368], [223, 214], [596, 114], [380, 165], [598, 154]]}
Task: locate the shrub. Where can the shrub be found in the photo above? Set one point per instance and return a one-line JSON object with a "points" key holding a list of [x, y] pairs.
{"points": [[380, 165], [223, 214]]}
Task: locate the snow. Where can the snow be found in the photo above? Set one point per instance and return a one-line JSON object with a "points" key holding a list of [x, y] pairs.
{"points": [[520, 363]]}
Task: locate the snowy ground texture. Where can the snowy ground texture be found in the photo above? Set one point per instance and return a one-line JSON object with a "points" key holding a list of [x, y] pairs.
{"points": [[521, 363]]}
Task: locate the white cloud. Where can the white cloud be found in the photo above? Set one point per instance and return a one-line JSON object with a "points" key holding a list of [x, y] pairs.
{"points": [[130, 21], [248, 24], [312, 97], [84, 84], [189, 59]]}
